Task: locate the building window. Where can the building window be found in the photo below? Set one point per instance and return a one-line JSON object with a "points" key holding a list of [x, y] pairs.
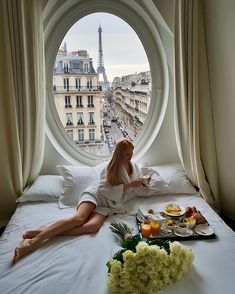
{"points": [[80, 118], [86, 67], [90, 101], [79, 101], [69, 119], [91, 135], [66, 68], [54, 85], [91, 118], [70, 133], [66, 84], [67, 102], [78, 83], [89, 84], [80, 135]]}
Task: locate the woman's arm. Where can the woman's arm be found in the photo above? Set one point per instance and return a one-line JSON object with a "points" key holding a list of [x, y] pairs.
{"points": [[134, 184]]}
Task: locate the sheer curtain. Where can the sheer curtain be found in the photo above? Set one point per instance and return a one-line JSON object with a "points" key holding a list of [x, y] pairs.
{"points": [[22, 106], [193, 112]]}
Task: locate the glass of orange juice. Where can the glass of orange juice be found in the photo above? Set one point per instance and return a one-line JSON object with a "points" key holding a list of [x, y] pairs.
{"points": [[145, 230], [154, 227]]}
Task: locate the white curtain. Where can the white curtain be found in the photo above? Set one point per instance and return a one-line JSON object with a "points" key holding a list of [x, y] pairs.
{"points": [[22, 105], [193, 113]]}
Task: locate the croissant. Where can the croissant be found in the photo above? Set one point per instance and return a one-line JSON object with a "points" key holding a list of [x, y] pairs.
{"points": [[199, 218]]}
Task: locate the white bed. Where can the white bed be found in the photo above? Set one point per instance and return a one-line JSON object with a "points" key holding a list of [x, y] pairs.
{"points": [[78, 264]]}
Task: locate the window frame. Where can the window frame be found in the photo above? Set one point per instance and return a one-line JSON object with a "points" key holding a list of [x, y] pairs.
{"points": [[139, 16]]}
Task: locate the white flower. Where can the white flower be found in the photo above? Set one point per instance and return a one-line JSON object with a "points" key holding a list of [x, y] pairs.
{"points": [[149, 269], [128, 255], [140, 268], [123, 283], [143, 276], [139, 258], [129, 265], [142, 247], [116, 266]]}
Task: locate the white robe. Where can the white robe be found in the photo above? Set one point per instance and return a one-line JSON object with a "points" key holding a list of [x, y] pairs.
{"points": [[111, 199]]}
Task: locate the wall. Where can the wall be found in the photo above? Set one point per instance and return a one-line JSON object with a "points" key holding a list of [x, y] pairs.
{"points": [[220, 40]]}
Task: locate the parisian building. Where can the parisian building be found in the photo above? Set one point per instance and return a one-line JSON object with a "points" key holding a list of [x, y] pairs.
{"points": [[130, 100], [78, 98]]}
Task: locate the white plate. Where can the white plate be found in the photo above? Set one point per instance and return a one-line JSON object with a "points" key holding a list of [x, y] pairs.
{"points": [[187, 233], [165, 232], [204, 230], [180, 213]]}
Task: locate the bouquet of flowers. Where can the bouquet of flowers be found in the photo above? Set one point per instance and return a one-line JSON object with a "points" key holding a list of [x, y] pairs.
{"points": [[145, 266]]}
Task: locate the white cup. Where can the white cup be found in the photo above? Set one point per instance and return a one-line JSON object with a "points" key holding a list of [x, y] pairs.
{"points": [[182, 228], [145, 180]]}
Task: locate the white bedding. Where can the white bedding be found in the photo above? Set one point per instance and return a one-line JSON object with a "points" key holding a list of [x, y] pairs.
{"points": [[78, 264]]}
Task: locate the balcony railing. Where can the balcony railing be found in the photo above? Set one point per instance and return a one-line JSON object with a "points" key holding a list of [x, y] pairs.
{"points": [[69, 123], [60, 89]]}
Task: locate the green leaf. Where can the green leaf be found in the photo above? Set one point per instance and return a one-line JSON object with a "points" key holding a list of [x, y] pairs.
{"points": [[109, 266], [165, 244], [131, 243], [118, 255]]}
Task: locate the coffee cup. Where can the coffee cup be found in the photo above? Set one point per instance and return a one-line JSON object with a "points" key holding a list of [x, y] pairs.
{"points": [[145, 180], [182, 228]]}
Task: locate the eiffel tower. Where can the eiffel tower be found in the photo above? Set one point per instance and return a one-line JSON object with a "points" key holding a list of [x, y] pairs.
{"points": [[100, 69]]}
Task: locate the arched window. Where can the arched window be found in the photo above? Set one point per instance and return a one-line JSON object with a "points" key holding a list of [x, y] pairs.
{"points": [[147, 117]]}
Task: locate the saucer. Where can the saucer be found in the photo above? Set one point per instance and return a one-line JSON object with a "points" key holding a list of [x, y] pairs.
{"points": [[204, 230], [181, 233]]}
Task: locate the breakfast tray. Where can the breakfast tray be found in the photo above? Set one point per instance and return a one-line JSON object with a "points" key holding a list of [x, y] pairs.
{"points": [[205, 232]]}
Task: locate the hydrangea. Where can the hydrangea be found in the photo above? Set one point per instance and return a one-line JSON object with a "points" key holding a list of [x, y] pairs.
{"points": [[148, 267]]}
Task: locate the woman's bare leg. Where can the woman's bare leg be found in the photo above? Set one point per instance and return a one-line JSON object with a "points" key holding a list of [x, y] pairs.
{"points": [[33, 233], [80, 217], [93, 224]]}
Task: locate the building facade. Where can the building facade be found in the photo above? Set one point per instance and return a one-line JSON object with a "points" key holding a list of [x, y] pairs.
{"points": [[131, 99], [78, 98]]}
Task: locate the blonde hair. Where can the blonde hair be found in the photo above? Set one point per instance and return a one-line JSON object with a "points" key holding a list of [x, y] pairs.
{"points": [[114, 166]]}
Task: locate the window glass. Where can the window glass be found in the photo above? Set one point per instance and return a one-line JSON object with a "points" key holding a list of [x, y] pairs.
{"points": [[101, 73]]}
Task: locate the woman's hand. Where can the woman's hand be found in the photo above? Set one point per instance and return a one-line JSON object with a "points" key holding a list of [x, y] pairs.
{"points": [[134, 184]]}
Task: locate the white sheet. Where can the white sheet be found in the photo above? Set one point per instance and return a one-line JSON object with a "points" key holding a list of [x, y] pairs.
{"points": [[75, 265]]}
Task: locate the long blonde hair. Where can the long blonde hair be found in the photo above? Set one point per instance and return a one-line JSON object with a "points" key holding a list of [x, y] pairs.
{"points": [[114, 166]]}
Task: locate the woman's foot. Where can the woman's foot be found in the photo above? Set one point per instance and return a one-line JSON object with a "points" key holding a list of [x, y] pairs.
{"points": [[25, 247]]}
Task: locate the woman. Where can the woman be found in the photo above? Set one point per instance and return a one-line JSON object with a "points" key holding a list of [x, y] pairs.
{"points": [[117, 181]]}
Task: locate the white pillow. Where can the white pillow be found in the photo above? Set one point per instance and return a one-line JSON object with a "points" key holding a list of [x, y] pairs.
{"points": [[76, 180], [45, 188], [175, 177]]}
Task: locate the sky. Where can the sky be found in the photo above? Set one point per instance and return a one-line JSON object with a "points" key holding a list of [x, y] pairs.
{"points": [[122, 49]]}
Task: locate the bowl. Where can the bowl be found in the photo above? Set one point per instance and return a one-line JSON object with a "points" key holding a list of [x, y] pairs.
{"points": [[190, 221], [170, 224]]}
